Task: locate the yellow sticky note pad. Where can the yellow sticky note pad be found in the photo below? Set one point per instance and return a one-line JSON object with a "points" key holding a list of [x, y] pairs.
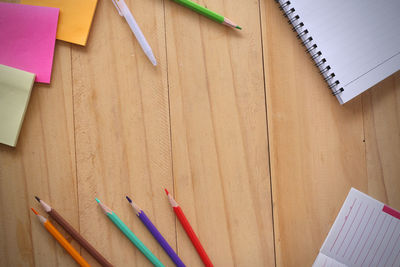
{"points": [[15, 91], [75, 18]]}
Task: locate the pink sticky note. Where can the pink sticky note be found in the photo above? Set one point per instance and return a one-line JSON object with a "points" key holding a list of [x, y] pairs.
{"points": [[27, 38]]}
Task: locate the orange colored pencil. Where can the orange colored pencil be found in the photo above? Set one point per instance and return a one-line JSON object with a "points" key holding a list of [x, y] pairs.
{"points": [[63, 242]]}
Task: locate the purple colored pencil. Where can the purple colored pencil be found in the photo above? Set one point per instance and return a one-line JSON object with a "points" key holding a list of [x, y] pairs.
{"points": [[157, 235]]}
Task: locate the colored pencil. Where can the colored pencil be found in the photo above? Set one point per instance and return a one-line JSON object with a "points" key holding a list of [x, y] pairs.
{"points": [[63, 242], [207, 13], [130, 235], [74, 234], [189, 230], [156, 234]]}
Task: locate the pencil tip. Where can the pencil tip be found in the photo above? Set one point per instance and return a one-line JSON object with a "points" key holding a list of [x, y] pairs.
{"points": [[166, 191], [152, 58], [98, 201], [238, 27], [34, 211], [130, 200], [37, 198]]}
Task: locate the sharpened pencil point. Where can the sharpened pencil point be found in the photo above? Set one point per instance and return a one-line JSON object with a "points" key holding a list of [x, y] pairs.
{"points": [[130, 200], [166, 191], [98, 201], [238, 27], [34, 211], [37, 198]]}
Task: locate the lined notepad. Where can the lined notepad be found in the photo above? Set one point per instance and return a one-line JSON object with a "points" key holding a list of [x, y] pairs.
{"points": [[366, 233], [355, 44], [15, 91]]}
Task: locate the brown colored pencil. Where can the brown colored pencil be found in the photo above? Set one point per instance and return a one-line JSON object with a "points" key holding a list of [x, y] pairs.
{"points": [[75, 235]]}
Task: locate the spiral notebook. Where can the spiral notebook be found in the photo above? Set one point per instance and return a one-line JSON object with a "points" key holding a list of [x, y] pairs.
{"points": [[365, 233], [355, 44]]}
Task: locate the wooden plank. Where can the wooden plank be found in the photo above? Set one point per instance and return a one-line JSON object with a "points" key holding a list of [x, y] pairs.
{"points": [[122, 131], [118, 104], [317, 149], [381, 106], [219, 134], [43, 164]]}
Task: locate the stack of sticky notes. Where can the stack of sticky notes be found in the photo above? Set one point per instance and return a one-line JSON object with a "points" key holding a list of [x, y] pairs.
{"points": [[26, 51], [15, 90], [75, 18], [28, 35], [28, 32]]}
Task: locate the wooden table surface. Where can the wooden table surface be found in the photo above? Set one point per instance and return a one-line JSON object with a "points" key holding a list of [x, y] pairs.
{"points": [[239, 125]]}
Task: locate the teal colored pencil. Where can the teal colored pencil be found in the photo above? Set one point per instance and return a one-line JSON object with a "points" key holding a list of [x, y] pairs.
{"points": [[207, 13], [130, 235]]}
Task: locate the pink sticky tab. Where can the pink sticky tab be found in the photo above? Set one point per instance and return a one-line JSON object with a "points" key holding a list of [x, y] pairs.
{"points": [[28, 35], [391, 211]]}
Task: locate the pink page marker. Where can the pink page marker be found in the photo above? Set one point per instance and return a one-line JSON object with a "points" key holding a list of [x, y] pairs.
{"points": [[391, 211], [27, 38]]}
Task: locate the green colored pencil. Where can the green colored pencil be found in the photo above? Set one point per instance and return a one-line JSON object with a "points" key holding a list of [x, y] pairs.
{"points": [[208, 13], [130, 235]]}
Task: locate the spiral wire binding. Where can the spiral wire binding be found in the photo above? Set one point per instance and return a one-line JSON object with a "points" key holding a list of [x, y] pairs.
{"points": [[311, 47]]}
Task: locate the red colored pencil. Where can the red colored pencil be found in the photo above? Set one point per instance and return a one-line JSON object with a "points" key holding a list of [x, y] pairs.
{"points": [[189, 231]]}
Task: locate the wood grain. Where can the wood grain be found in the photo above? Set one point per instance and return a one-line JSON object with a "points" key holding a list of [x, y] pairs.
{"points": [[317, 146], [381, 106], [219, 134], [317, 150], [224, 116], [43, 164], [122, 131]]}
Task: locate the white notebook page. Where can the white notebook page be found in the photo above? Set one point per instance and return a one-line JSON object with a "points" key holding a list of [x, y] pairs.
{"points": [[360, 39], [365, 233], [325, 261]]}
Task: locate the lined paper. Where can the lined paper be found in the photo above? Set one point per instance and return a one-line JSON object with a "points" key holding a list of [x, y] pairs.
{"points": [[365, 233], [325, 261]]}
